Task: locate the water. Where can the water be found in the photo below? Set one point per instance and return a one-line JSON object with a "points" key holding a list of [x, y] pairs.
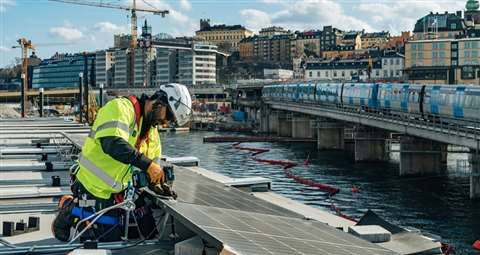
{"points": [[438, 205]]}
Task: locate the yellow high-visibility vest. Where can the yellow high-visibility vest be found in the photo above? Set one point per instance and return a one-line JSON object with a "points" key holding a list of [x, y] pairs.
{"points": [[99, 173]]}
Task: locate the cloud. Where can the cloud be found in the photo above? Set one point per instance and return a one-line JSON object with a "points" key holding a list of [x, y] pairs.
{"points": [[4, 4], [185, 5], [256, 19], [67, 33], [111, 28], [402, 15], [305, 15], [5, 49]]}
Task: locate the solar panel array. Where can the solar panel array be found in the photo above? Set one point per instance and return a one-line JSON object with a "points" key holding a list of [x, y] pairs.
{"points": [[196, 189], [255, 233]]}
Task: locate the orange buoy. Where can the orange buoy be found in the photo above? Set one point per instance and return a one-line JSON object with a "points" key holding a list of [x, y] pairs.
{"points": [[476, 245]]}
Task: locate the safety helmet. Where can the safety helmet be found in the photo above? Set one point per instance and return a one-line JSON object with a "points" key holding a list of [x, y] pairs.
{"points": [[178, 100]]}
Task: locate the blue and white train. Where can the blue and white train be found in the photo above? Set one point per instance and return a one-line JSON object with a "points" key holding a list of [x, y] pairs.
{"points": [[452, 101]]}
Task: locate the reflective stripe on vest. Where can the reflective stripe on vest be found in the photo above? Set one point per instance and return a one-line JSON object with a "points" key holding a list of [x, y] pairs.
{"points": [[110, 124], [100, 173]]}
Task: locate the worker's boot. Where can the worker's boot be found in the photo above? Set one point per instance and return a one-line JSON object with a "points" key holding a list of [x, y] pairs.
{"points": [[63, 223]]}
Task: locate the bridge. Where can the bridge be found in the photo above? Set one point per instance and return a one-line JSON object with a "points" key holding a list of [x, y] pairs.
{"points": [[366, 135]]}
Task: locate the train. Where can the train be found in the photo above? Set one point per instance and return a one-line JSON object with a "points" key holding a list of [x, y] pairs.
{"points": [[426, 101]]}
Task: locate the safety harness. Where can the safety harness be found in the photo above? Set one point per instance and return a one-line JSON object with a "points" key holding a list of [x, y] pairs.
{"points": [[82, 212]]}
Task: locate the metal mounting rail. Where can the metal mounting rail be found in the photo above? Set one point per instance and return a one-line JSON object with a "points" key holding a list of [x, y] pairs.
{"points": [[446, 130]]}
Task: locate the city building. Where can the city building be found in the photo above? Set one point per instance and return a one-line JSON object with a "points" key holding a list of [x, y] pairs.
{"points": [[144, 67], [375, 40], [393, 64], [306, 44], [120, 68], [440, 26], [330, 37], [224, 36], [443, 61], [352, 38], [104, 65], [340, 51], [166, 64], [472, 13], [197, 66], [246, 49], [344, 70], [280, 49], [62, 71], [122, 41], [398, 42], [261, 48], [271, 31]]}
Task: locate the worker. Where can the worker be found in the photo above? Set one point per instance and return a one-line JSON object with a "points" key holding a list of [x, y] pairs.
{"points": [[124, 136]]}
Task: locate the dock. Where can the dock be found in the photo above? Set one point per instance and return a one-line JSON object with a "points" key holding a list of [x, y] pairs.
{"points": [[213, 213]]}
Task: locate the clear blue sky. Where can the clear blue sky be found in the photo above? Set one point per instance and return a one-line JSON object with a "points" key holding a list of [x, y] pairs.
{"points": [[78, 28]]}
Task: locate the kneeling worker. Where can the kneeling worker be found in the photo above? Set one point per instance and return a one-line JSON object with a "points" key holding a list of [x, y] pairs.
{"points": [[124, 136]]}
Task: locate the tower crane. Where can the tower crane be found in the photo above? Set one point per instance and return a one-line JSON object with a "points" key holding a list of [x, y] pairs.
{"points": [[25, 45], [133, 9]]}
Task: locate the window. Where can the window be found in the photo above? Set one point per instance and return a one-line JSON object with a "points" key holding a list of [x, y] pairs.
{"points": [[385, 73], [391, 73], [385, 61], [310, 74], [397, 72], [468, 72], [453, 26], [397, 61], [454, 46], [334, 73], [318, 73], [454, 62], [343, 73], [454, 54], [391, 61], [326, 73], [377, 72]]}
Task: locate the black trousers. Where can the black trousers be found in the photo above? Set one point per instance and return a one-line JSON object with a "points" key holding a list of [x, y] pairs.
{"points": [[99, 232], [109, 233]]}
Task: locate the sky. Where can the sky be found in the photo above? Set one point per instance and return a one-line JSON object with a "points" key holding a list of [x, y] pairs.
{"points": [[68, 28]]}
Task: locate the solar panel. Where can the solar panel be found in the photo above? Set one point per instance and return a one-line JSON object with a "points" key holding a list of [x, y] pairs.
{"points": [[194, 188], [256, 233]]}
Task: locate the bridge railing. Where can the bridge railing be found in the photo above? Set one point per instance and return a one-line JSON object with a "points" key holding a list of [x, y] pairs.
{"points": [[439, 124]]}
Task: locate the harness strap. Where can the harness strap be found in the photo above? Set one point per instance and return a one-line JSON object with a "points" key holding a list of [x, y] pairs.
{"points": [[104, 219], [138, 115]]}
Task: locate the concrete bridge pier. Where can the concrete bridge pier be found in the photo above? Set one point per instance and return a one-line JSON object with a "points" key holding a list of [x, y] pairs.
{"points": [[370, 146], [284, 124], [302, 127], [474, 159], [330, 135], [421, 157]]}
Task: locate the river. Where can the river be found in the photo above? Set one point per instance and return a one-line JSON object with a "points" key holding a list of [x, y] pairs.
{"points": [[438, 205]]}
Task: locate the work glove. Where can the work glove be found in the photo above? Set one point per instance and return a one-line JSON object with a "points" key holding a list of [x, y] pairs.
{"points": [[156, 174], [163, 190]]}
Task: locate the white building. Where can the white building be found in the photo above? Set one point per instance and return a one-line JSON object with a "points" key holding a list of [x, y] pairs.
{"points": [[343, 70], [197, 65], [393, 64]]}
